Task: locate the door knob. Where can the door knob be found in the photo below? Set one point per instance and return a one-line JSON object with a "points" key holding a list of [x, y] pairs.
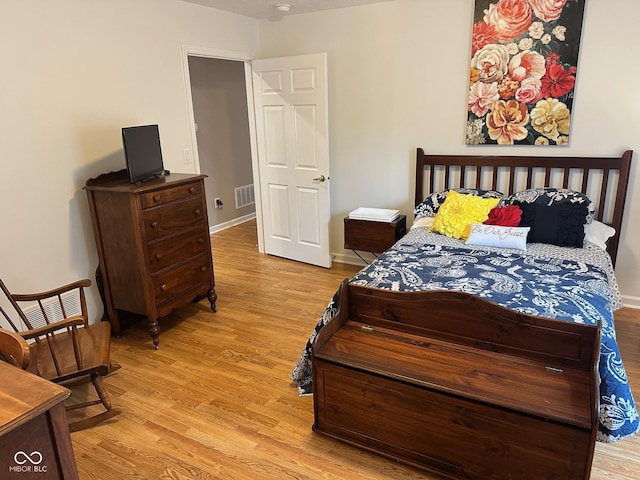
{"points": [[319, 178]]}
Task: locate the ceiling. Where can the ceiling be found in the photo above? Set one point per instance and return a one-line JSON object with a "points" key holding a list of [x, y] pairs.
{"points": [[267, 9]]}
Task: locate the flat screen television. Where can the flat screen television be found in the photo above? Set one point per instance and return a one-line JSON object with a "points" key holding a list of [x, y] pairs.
{"points": [[142, 152]]}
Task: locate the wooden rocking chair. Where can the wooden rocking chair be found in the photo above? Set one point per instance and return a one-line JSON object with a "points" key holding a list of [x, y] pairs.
{"points": [[65, 349]]}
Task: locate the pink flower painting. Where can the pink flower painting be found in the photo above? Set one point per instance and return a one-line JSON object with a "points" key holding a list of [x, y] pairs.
{"points": [[524, 56]]}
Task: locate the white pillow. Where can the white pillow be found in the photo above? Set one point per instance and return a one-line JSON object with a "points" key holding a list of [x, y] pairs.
{"points": [[598, 233], [498, 236]]}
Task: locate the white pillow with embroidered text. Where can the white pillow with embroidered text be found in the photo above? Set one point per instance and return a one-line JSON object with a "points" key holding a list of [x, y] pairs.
{"points": [[498, 236]]}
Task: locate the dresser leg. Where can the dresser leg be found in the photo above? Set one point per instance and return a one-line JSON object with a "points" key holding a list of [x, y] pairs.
{"points": [[109, 312], [154, 331], [212, 296]]}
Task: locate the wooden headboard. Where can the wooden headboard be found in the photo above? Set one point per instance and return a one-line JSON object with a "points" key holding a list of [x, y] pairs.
{"points": [[603, 180]]}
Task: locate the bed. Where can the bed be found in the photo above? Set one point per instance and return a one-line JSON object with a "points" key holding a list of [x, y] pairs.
{"points": [[574, 283]]}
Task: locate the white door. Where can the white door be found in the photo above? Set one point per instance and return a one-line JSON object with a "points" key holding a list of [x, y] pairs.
{"points": [[290, 99]]}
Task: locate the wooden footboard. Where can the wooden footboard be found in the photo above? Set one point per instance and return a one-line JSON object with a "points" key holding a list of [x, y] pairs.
{"points": [[457, 385]]}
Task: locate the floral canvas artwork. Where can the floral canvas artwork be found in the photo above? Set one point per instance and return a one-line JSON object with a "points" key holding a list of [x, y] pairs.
{"points": [[524, 56]]}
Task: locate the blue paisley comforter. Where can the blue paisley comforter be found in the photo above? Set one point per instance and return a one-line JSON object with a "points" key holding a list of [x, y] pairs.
{"points": [[572, 284]]}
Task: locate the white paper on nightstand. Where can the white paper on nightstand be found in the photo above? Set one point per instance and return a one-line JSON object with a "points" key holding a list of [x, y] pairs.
{"points": [[374, 214]]}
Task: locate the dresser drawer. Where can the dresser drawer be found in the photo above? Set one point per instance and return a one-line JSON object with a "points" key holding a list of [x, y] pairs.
{"points": [[178, 249], [185, 277], [172, 218], [160, 197]]}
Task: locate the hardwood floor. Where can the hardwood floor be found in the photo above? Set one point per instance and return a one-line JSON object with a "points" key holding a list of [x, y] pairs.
{"points": [[216, 401]]}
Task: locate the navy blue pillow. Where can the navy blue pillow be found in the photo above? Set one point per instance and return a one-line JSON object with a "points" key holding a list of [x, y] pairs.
{"points": [[556, 216]]}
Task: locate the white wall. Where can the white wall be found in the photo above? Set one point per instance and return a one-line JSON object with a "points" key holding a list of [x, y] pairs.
{"points": [[73, 73], [398, 79]]}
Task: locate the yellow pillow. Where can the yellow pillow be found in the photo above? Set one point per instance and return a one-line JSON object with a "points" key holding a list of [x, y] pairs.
{"points": [[459, 211]]}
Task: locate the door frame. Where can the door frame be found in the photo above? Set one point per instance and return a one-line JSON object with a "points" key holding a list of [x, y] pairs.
{"points": [[215, 53]]}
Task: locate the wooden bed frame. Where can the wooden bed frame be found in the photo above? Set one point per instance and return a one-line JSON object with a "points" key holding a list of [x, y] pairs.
{"points": [[603, 180], [434, 379]]}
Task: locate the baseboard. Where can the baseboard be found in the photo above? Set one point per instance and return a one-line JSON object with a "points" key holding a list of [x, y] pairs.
{"points": [[631, 302], [231, 223], [351, 258]]}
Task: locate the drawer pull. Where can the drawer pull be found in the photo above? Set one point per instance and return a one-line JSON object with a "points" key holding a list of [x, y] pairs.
{"points": [[154, 225], [191, 189], [557, 371], [156, 198], [158, 256], [201, 241], [197, 211], [203, 268], [163, 287]]}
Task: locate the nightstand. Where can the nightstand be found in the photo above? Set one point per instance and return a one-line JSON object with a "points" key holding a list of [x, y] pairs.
{"points": [[372, 236]]}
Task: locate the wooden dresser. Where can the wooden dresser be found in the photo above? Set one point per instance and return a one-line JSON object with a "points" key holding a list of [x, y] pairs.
{"points": [[470, 394], [153, 245], [34, 434]]}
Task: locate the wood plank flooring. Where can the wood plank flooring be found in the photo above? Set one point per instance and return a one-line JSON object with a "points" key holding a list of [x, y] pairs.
{"points": [[217, 402]]}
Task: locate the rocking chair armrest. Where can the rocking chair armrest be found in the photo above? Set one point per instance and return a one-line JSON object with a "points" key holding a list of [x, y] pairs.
{"points": [[75, 320], [15, 347], [28, 297]]}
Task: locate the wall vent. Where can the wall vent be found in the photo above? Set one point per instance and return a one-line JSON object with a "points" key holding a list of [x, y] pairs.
{"points": [[70, 301], [244, 196]]}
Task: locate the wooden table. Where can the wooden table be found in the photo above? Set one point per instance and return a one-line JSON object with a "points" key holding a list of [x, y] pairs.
{"points": [[34, 434]]}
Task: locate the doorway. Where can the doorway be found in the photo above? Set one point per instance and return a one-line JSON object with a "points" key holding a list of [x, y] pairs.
{"points": [[305, 146], [221, 124]]}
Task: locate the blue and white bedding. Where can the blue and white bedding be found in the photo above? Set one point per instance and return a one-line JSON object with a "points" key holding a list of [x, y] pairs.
{"points": [[572, 284]]}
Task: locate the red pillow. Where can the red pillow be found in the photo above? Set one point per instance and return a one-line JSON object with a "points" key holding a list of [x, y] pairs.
{"points": [[507, 216]]}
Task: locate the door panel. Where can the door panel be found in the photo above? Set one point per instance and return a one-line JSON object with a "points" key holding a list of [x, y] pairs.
{"points": [[275, 141], [305, 129], [279, 206], [308, 219], [290, 97]]}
